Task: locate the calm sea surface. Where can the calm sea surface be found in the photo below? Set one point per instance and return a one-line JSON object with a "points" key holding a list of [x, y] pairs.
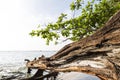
{"points": [[12, 63]]}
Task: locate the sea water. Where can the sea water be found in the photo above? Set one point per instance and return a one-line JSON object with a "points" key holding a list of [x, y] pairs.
{"points": [[12, 64]]}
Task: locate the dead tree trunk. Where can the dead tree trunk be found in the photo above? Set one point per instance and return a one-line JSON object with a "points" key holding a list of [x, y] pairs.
{"points": [[98, 54]]}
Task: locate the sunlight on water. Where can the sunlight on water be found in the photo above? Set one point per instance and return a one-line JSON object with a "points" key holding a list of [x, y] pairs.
{"points": [[12, 64]]}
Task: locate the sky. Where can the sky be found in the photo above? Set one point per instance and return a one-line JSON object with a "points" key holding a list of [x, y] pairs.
{"points": [[19, 17]]}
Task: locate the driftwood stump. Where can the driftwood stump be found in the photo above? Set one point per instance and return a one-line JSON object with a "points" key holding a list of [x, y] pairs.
{"points": [[98, 54]]}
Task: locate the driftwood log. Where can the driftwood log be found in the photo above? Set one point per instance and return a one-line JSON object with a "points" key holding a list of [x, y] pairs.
{"points": [[98, 54]]}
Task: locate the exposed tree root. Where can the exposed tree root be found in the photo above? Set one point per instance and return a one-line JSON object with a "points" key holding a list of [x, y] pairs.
{"points": [[98, 54]]}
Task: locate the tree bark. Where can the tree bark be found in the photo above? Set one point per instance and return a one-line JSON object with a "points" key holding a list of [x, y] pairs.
{"points": [[98, 54]]}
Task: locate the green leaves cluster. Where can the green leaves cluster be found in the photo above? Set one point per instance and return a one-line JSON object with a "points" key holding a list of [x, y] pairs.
{"points": [[92, 16]]}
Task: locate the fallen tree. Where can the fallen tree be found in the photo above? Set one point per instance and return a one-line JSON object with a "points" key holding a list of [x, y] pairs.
{"points": [[98, 54]]}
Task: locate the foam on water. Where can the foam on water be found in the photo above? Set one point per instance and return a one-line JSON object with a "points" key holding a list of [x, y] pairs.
{"points": [[12, 64]]}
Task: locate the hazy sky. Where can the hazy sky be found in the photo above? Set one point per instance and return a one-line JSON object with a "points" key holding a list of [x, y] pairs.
{"points": [[19, 17]]}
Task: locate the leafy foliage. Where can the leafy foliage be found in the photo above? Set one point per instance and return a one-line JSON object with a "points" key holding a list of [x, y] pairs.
{"points": [[93, 15]]}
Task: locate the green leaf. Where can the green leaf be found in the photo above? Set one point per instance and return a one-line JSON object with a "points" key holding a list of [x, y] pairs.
{"points": [[72, 6], [93, 15]]}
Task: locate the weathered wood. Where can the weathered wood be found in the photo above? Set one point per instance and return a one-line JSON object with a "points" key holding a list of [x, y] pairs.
{"points": [[98, 54], [107, 35], [39, 73]]}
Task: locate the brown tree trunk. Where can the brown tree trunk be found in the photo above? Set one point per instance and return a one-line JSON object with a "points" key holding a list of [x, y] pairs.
{"points": [[98, 54]]}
